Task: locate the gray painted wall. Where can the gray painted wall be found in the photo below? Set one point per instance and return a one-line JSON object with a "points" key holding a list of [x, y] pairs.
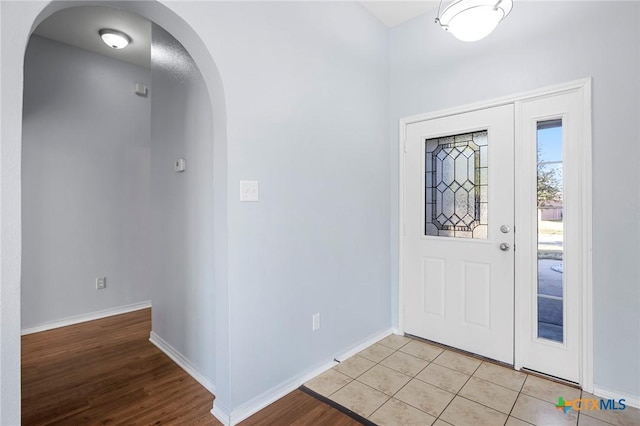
{"points": [[307, 111], [85, 183], [182, 205], [306, 93], [541, 44]]}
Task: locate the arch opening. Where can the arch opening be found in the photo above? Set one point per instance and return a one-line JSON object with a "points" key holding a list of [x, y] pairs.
{"points": [[187, 109]]}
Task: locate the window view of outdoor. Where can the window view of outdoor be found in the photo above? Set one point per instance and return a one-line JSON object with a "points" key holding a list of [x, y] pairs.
{"points": [[550, 231]]}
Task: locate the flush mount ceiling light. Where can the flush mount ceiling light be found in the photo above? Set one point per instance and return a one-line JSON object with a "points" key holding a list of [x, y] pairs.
{"points": [[472, 20], [114, 39]]}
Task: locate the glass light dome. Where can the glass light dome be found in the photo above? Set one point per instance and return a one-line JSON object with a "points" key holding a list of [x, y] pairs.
{"points": [[115, 39], [472, 20]]}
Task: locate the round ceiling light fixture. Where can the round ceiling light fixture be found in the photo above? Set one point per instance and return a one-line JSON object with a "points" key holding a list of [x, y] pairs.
{"points": [[472, 20], [114, 39]]}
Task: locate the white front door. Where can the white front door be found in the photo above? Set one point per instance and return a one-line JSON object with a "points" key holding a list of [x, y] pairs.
{"points": [[458, 262]]}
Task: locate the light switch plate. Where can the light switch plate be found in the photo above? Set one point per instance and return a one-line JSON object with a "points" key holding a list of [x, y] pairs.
{"points": [[180, 165], [249, 190]]}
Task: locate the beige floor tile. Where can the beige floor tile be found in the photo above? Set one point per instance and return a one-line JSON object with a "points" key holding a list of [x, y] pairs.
{"points": [[354, 366], [512, 421], [428, 398], [549, 391], [360, 398], [590, 421], [458, 362], [489, 394], [443, 377], [628, 416], [441, 423], [328, 382], [376, 352], [462, 412], [397, 413], [384, 379], [542, 413], [502, 376], [422, 350], [394, 341], [405, 363]]}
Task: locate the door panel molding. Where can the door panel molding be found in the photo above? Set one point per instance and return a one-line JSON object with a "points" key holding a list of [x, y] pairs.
{"points": [[460, 199], [582, 86]]}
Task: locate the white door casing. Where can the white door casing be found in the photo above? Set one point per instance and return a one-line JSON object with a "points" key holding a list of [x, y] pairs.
{"points": [[578, 236], [560, 359], [459, 291]]}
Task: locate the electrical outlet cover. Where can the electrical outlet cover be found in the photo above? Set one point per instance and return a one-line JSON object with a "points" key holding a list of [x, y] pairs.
{"points": [[316, 322], [101, 283]]}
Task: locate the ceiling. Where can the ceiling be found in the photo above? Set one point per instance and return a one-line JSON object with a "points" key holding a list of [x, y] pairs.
{"points": [[393, 13], [79, 26]]}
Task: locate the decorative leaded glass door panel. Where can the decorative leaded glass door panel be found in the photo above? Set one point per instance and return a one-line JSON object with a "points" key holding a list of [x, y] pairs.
{"points": [[458, 259], [456, 186]]}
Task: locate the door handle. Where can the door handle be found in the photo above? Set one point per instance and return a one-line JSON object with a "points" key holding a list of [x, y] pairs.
{"points": [[504, 247]]}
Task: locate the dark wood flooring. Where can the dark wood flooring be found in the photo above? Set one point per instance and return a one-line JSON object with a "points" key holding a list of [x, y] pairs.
{"points": [[107, 372], [298, 408]]}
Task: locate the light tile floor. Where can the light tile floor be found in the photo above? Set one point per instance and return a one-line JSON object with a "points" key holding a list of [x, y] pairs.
{"points": [[403, 381]]}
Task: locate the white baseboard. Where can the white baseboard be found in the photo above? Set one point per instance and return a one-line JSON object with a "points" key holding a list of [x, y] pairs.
{"points": [[630, 400], [272, 395], [364, 344], [77, 319], [182, 362], [221, 414]]}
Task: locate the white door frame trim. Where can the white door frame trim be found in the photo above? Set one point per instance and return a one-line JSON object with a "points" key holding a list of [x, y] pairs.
{"points": [[586, 290]]}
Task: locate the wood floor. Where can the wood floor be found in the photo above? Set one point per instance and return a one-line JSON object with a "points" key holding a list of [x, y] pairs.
{"points": [[298, 408], [107, 372]]}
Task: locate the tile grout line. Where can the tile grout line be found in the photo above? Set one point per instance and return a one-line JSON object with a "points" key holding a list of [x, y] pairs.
{"points": [[433, 361], [517, 397], [352, 379], [547, 402], [416, 378], [378, 363], [457, 393], [465, 383], [495, 384], [443, 350], [580, 413], [403, 386]]}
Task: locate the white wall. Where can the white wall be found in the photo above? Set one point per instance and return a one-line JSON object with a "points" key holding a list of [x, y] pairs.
{"points": [[542, 44], [85, 183], [183, 312], [306, 107], [306, 90], [306, 102]]}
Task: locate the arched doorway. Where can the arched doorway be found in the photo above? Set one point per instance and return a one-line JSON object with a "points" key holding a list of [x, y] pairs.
{"points": [[12, 213]]}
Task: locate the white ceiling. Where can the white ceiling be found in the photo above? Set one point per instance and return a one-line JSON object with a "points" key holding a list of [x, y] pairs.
{"points": [[79, 26], [393, 13]]}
